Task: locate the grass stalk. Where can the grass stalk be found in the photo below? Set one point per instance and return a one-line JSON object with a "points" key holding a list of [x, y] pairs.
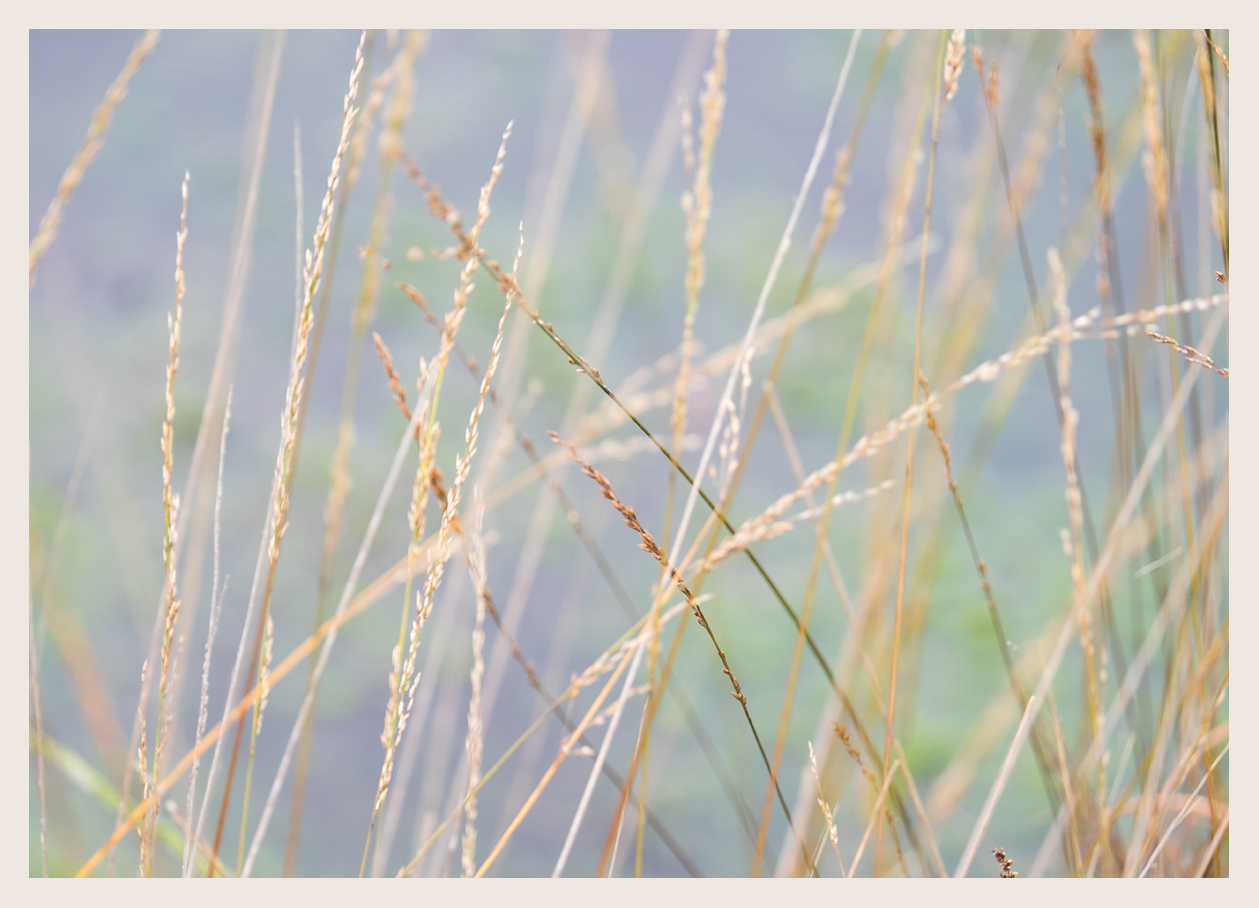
{"points": [[216, 608], [312, 274]]}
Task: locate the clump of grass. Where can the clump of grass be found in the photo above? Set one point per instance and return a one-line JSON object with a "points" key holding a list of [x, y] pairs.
{"points": [[1141, 602]]}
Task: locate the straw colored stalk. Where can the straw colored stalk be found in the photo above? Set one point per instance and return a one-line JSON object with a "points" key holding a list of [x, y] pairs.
{"points": [[170, 508], [266, 74], [651, 547], [1154, 160], [899, 215], [216, 608], [697, 208], [146, 858], [1070, 419], [826, 811], [767, 526], [1157, 176], [876, 819], [474, 744], [399, 72], [311, 276], [1219, 195], [949, 76], [87, 152], [409, 678]]}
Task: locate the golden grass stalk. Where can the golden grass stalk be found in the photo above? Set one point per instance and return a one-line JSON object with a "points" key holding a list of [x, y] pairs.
{"points": [[408, 680], [474, 744], [87, 152], [1154, 160], [1070, 419], [697, 208], [170, 509], [216, 608], [329, 629], [262, 97], [954, 60], [340, 472], [1219, 199], [311, 276], [876, 818], [895, 229], [1084, 327], [951, 72]]}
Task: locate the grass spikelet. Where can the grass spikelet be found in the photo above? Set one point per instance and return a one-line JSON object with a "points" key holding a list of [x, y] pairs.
{"points": [[170, 509], [826, 810], [1070, 419], [1154, 160], [697, 205], [408, 682], [954, 60], [395, 383], [1007, 864], [474, 743], [1190, 354]]}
